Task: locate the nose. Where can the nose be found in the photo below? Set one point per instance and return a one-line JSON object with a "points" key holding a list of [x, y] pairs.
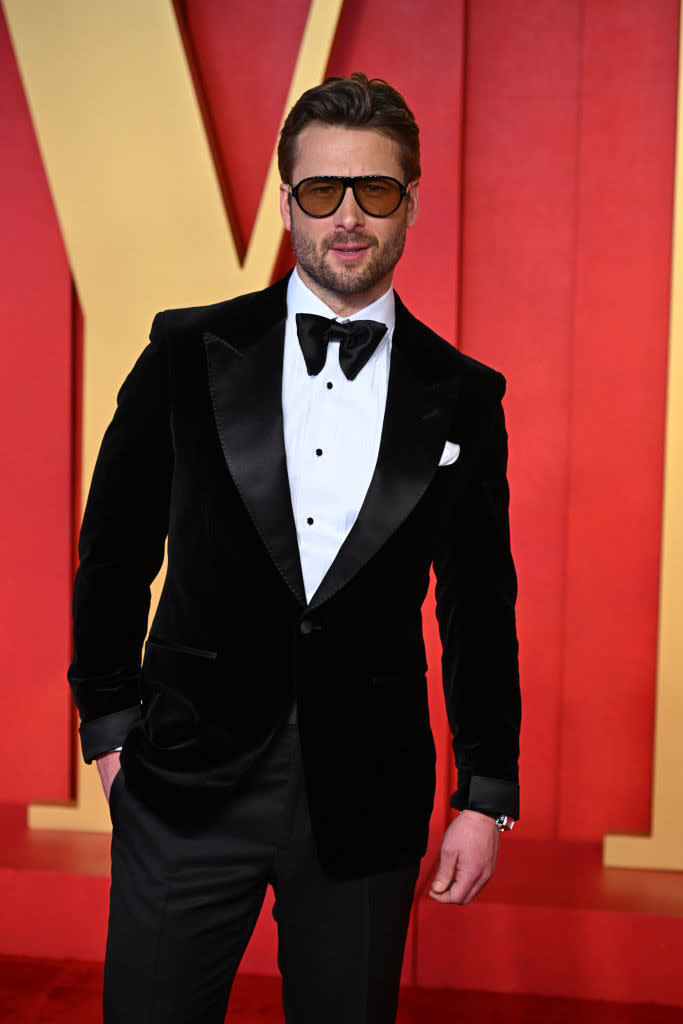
{"points": [[349, 215]]}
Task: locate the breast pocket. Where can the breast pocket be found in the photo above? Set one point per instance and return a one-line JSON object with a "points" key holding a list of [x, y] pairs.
{"points": [[450, 454]]}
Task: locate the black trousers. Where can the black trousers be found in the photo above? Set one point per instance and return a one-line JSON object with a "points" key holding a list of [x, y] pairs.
{"points": [[185, 900]]}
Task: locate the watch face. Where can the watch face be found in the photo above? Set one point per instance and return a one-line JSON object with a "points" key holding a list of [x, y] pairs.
{"points": [[504, 823]]}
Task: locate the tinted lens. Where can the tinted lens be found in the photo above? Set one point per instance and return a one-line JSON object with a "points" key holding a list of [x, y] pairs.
{"points": [[318, 197], [378, 196]]}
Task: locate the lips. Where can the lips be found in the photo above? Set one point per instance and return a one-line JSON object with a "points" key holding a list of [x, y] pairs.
{"points": [[349, 255], [348, 251], [341, 244]]}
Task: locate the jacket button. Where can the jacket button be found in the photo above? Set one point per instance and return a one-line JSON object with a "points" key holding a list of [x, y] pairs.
{"points": [[306, 627]]}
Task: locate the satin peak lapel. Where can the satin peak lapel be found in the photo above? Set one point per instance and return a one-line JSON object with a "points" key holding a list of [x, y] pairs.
{"points": [[246, 392], [413, 435]]}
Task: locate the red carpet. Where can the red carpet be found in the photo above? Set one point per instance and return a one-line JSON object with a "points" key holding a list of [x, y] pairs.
{"points": [[68, 992], [554, 924]]}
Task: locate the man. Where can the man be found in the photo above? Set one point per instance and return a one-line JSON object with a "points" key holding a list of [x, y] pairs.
{"points": [[307, 472]]}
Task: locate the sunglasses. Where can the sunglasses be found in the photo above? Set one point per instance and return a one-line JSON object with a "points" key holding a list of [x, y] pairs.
{"points": [[376, 196]]}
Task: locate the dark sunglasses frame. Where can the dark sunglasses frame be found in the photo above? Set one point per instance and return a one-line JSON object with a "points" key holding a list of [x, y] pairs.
{"points": [[349, 182]]}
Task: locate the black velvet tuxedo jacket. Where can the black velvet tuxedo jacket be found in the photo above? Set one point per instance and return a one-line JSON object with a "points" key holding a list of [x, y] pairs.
{"points": [[195, 453]]}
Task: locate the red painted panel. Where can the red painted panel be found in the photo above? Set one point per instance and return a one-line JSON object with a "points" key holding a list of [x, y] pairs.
{"points": [[570, 118], [581, 954], [517, 293], [35, 464], [618, 378]]}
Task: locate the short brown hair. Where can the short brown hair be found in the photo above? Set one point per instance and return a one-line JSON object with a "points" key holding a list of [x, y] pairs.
{"points": [[355, 102]]}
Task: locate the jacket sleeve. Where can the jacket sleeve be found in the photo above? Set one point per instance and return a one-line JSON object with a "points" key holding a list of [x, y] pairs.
{"points": [[476, 592], [121, 549]]}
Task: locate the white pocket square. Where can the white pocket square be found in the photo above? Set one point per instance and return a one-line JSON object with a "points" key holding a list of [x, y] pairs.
{"points": [[449, 454]]}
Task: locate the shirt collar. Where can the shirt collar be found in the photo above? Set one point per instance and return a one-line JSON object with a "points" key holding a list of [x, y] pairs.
{"points": [[300, 299]]}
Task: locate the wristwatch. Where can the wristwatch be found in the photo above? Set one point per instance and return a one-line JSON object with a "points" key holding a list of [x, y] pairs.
{"points": [[504, 823]]}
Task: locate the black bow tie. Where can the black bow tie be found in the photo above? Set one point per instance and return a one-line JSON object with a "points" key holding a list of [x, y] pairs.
{"points": [[357, 339]]}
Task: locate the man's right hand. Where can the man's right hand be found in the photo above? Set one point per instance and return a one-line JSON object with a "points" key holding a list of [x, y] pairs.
{"points": [[108, 765]]}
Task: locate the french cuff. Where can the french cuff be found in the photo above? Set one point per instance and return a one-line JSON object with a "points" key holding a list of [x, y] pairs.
{"points": [[488, 796], [105, 733]]}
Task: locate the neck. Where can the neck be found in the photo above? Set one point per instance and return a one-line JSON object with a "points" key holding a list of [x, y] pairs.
{"points": [[345, 305]]}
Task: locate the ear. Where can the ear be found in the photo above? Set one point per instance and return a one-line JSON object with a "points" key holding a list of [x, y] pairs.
{"points": [[413, 203], [285, 211]]}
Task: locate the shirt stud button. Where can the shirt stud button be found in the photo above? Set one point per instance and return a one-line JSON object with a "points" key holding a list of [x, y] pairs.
{"points": [[330, 384], [310, 520], [318, 451]]}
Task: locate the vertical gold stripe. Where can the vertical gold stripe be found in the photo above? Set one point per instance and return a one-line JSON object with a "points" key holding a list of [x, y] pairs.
{"points": [[663, 848], [137, 196]]}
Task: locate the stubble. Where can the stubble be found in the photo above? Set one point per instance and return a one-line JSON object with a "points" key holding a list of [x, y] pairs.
{"points": [[351, 280]]}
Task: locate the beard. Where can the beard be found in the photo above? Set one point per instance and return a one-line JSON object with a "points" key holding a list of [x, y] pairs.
{"points": [[351, 280]]}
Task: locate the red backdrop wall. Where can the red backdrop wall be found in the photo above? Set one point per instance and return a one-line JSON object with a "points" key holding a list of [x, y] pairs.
{"points": [[36, 514], [543, 248]]}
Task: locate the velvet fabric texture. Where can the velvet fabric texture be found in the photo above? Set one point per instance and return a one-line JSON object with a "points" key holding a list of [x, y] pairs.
{"points": [[196, 453]]}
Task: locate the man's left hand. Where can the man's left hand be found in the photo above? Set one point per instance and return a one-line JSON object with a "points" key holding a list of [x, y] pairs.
{"points": [[468, 858]]}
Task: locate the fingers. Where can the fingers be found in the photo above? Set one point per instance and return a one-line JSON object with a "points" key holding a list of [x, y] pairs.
{"points": [[108, 766], [447, 867], [465, 887], [468, 859]]}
